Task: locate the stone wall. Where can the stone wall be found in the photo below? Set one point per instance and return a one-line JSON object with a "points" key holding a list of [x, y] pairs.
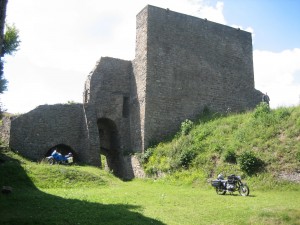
{"points": [[140, 75], [108, 107], [33, 134], [110, 95], [5, 129], [191, 63]]}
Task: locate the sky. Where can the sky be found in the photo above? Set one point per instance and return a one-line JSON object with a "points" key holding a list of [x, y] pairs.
{"points": [[61, 41]]}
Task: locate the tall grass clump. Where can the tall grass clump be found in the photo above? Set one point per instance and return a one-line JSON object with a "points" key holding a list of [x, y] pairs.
{"points": [[186, 127]]}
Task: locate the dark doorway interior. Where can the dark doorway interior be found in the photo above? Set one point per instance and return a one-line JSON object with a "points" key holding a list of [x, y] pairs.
{"points": [[63, 149], [110, 146]]}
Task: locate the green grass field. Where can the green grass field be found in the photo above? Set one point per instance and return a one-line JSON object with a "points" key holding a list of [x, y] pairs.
{"points": [[44, 195]]}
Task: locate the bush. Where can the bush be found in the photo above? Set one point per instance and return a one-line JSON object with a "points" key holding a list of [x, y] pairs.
{"points": [[145, 157], [282, 113], [230, 156], [186, 126], [186, 157], [263, 116], [261, 110], [151, 170], [249, 163]]}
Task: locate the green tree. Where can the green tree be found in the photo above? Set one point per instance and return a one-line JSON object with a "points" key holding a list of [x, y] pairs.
{"points": [[10, 45], [11, 40]]}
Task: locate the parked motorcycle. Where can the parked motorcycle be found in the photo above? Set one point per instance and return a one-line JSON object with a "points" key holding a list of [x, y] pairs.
{"points": [[232, 184], [58, 158]]}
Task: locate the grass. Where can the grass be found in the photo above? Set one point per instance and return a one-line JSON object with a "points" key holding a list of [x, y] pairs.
{"points": [[59, 195], [271, 136], [48, 195]]}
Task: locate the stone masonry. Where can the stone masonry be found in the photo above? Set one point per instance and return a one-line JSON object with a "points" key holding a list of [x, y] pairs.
{"points": [[182, 65]]}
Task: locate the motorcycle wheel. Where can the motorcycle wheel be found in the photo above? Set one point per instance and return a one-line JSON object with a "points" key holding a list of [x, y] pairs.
{"points": [[244, 190], [220, 191], [51, 161]]}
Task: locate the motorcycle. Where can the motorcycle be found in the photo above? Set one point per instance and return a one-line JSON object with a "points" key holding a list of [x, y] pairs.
{"points": [[58, 158], [232, 184]]}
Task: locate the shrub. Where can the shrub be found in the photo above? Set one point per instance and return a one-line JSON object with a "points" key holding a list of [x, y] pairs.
{"points": [[186, 157], [148, 153], [263, 116], [201, 160], [282, 113], [186, 126], [261, 110], [151, 170], [230, 156], [249, 163]]}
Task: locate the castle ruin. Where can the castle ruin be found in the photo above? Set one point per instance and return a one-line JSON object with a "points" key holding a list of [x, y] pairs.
{"points": [[182, 65]]}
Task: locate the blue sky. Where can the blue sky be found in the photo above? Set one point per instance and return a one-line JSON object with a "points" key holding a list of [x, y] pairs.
{"points": [[63, 40], [275, 22]]}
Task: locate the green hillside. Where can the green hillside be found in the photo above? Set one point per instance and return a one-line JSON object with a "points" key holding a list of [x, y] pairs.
{"points": [[57, 195], [261, 146], [264, 144]]}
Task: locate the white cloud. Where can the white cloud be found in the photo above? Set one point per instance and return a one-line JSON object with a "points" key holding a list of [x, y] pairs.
{"points": [[62, 40], [213, 13], [279, 75]]}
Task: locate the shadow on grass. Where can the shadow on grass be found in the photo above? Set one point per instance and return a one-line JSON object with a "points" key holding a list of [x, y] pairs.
{"points": [[27, 205], [238, 195]]}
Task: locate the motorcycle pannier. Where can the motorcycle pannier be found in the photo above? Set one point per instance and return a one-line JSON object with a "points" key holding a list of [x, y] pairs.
{"points": [[70, 159], [215, 183]]}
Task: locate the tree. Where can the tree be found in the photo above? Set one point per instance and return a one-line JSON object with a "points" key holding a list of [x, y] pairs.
{"points": [[3, 4], [9, 43]]}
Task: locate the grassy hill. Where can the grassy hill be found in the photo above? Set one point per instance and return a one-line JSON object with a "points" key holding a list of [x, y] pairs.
{"points": [[58, 195], [264, 144]]}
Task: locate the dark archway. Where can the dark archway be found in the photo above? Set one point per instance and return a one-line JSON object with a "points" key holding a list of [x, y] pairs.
{"points": [[110, 145], [63, 149]]}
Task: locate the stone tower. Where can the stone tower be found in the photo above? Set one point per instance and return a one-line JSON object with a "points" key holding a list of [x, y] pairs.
{"points": [[184, 64]]}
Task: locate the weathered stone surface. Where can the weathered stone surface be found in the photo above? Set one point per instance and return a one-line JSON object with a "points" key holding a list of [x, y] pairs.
{"points": [[182, 65], [5, 130], [35, 133], [186, 63]]}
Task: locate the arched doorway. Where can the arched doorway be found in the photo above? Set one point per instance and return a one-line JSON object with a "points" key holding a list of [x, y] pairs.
{"points": [[110, 145], [63, 149]]}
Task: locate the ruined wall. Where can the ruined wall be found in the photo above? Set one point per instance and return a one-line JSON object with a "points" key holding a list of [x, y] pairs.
{"points": [[5, 129], [33, 134], [140, 75], [108, 107], [191, 63], [110, 95]]}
